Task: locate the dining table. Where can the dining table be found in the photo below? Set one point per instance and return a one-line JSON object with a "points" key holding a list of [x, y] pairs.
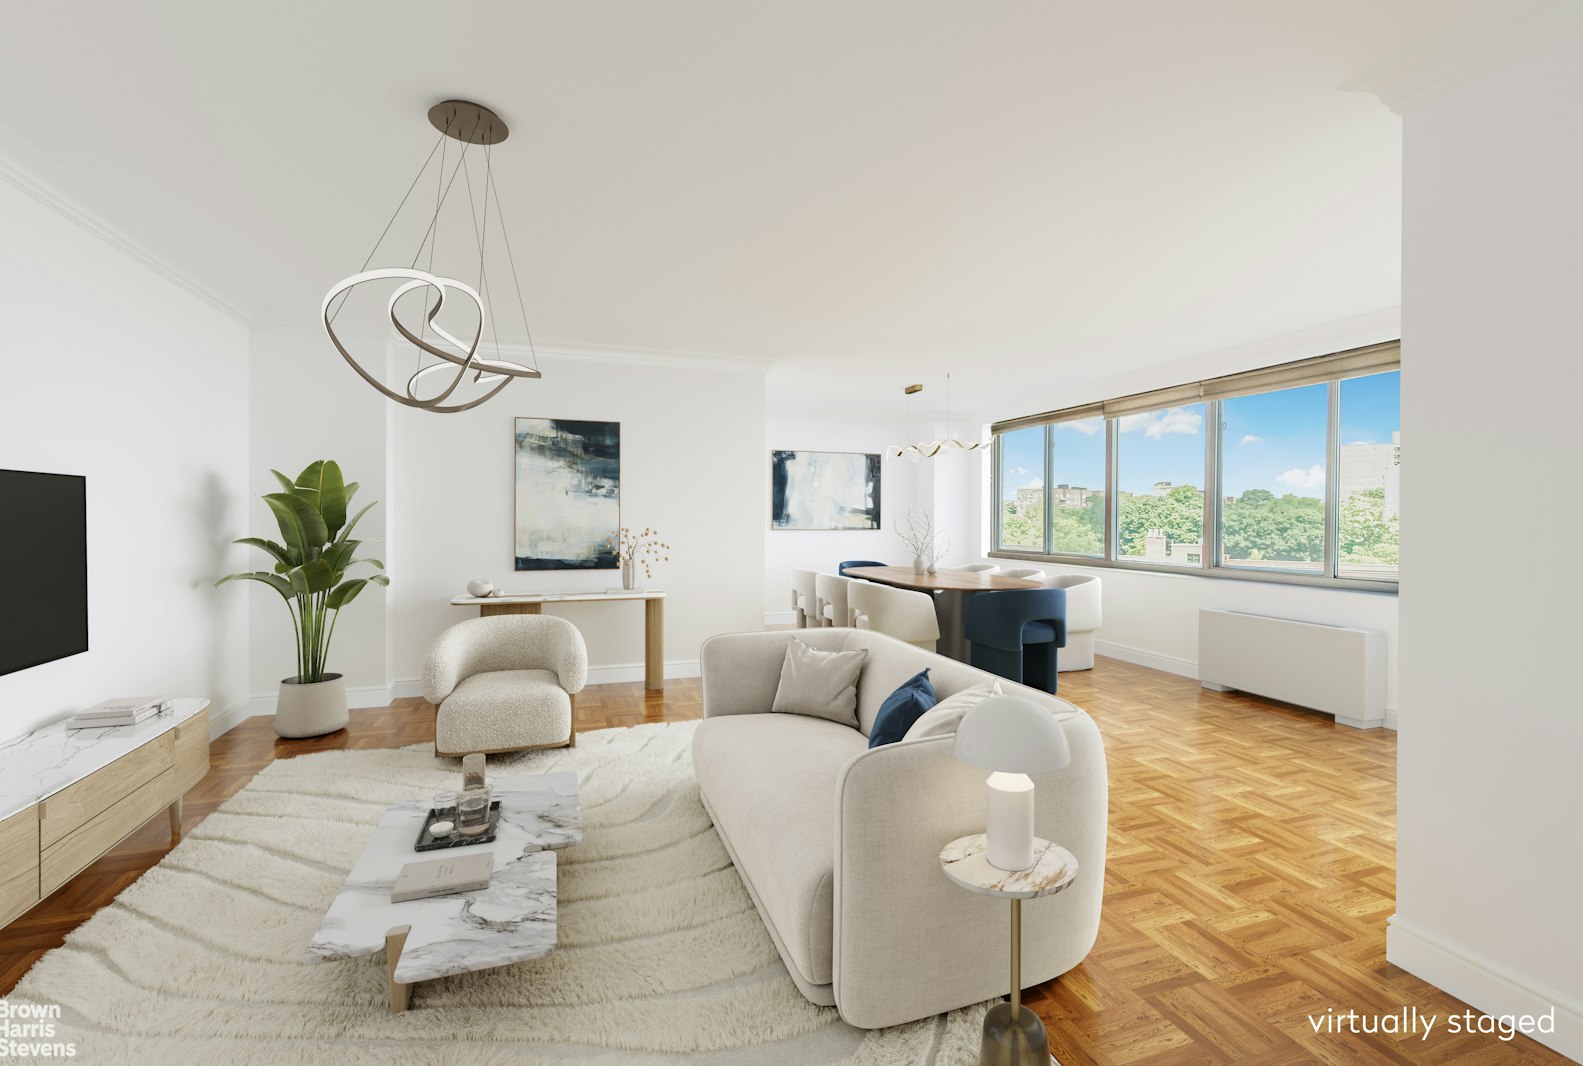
{"points": [[951, 590]]}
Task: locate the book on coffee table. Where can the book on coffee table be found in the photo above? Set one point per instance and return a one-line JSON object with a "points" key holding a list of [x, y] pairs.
{"points": [[443, 877]]}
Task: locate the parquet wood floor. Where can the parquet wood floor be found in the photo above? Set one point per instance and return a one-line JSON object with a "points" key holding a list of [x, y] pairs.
{"points": [[1250, 873]]}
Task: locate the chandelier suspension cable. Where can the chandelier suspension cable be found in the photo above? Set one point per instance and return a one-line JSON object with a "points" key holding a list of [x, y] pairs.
{"points": [[393, 216], [516, 282]]}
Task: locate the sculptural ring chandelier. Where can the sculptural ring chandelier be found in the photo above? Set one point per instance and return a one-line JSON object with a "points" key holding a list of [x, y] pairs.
{"points": [[420, 296]]}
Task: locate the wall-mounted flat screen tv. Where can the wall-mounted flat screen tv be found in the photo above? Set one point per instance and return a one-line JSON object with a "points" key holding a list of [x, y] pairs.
{"points": [[43, 568]]}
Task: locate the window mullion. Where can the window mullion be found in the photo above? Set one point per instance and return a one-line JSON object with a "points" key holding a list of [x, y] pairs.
{"points": [[1333, 482], [1049, 440], [1112, 492]]}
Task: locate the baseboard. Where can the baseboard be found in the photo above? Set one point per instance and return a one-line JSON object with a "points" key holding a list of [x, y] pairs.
{"points": [[613, 674], [780, 618], [230, 718], [1139, 657], [1189, 668], [1484, 984], [357, 698]]}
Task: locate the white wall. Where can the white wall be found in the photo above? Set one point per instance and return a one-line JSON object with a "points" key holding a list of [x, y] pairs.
{"points": [[1152, 618], [1490, 787], [692, 458], [114, 372]]}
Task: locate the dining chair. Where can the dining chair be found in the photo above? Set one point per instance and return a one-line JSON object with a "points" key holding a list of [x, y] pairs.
{"points": [[1082, 619], [850, 563], [831, 589], [805, 598], [898, 613], [1025, 572], [980, 568], [1016, 634]]}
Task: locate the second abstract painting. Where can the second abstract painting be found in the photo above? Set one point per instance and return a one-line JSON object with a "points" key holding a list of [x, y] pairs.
{"points": [[824, 490]]}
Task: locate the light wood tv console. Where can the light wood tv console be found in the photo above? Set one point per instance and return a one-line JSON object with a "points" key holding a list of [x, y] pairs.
{"points": [[69, 796]]}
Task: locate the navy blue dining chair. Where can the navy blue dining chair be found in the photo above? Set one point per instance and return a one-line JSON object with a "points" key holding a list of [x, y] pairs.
{"points": [[844, 567], [1016, 633]]}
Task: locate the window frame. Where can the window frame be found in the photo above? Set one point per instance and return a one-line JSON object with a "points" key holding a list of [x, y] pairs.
{"points": [[1209, 564]]}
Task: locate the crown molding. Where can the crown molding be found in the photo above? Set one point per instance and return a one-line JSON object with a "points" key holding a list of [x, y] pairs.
{"points": [[36, 174], [521, 353], [1403, 88]]}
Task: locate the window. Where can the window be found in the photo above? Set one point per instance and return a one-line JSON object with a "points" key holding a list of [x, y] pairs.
{"points": [[1291, 473], [1077, 487], [1371, 464], [1159, 468], [1022, 490], [1272, 479]]}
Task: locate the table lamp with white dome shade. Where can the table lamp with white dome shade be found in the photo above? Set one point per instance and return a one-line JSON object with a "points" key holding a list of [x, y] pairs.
{"points": [[1011, 737]]}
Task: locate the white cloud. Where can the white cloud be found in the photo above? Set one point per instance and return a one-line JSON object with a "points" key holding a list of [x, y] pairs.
{"points": [[1250, 439], [1019, 470], [1036, 483], [1157, 424], [1086, 426], [1298, 478]]}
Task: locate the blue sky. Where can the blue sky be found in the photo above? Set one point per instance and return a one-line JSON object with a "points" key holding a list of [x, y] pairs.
{"points": [[1273, 441]]}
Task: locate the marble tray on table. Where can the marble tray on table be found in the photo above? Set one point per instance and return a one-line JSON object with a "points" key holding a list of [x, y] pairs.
{"points": [[510, 921]]}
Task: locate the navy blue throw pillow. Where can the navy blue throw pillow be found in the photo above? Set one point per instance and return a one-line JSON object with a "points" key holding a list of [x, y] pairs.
{"points": [[901, 709]]}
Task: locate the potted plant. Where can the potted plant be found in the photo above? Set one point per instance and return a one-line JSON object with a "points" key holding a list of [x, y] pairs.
{"points": [[311, 560]]}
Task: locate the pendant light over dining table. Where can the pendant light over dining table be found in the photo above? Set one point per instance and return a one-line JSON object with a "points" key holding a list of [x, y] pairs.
{"points": [[933, 448], [442, 319]]}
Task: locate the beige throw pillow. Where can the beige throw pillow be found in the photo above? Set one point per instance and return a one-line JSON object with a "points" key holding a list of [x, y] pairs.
{"points": [[821, 684], [945, 716]]}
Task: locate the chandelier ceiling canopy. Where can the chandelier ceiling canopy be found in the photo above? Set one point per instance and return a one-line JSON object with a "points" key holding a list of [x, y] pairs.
{"points": [[442, 319]]}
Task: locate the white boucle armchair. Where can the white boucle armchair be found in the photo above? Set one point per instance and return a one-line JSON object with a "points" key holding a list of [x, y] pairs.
{"points": [[505, 683]]}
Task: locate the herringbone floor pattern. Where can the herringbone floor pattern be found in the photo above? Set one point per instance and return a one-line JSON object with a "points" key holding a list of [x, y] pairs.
{"points": [[1250, 873]]}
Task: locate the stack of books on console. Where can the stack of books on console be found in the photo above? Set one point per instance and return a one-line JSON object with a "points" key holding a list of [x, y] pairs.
{"points": [[128, 710]]}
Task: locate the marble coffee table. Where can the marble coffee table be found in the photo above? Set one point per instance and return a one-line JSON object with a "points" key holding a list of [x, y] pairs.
{"points": [[510, 921]]}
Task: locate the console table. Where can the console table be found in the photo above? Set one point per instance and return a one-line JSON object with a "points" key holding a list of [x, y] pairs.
{"points": [[533, 603], [67, 796]]}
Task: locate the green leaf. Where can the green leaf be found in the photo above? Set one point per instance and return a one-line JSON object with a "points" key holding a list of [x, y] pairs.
{"points": [[274, 581], [298, 581], [285, 482], [379, 579], [301, 527], [281, 555], [347, 531], [351, 490], [319, 575], [345, 593], [322, 484]]}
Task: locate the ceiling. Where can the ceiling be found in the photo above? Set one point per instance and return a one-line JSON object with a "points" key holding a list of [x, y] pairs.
{"points": [[870, 193]]}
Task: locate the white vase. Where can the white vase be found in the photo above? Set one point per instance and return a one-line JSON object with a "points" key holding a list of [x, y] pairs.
{"points": [[313, 709], [932, 569], [479, 587], [629, 576], [918, 566]]}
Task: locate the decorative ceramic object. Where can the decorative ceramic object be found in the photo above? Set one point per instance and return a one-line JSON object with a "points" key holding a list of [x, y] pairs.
{"points": [[932, 568], [312, 709], [918, 566], [480, 588], [441, 829]]}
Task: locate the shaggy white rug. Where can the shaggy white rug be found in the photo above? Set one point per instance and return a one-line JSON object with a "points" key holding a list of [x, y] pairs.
{"points": [[662, 958]]}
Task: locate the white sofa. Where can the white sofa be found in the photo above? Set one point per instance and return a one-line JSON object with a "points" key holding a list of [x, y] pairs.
{"points": [[839, 844]]}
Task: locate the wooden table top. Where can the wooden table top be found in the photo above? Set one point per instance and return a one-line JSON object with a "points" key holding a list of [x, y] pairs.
{"points": [[558, 597], [941, 580]]}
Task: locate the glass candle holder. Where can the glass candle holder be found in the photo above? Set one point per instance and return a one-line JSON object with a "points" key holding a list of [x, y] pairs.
{"points": [[445, 805], [472, 811]]}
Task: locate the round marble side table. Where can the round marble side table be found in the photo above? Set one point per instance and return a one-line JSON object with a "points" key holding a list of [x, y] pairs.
{"points": [[1013, 1034]]}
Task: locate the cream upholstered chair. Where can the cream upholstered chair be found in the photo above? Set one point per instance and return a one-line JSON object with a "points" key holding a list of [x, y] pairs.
{"points": [[1025, 571], [980, 568], [805, 597], [505, 683], [907, 616], [831, 589], [1082, 619]]}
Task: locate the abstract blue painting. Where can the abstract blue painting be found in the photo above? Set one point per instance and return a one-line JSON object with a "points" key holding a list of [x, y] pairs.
{"points": [[824, 490], [568, 493]]}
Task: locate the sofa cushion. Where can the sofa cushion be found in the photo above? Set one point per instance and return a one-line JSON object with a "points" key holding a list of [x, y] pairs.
{"points": [[819, 683], [770, 782], [901, 709], [503, 709]]}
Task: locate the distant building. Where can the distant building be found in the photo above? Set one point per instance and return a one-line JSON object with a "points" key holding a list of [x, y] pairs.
{"points": [[1374, 466], [1029, 498], [1162, 488], [1157, 548], [1071, 496]]}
